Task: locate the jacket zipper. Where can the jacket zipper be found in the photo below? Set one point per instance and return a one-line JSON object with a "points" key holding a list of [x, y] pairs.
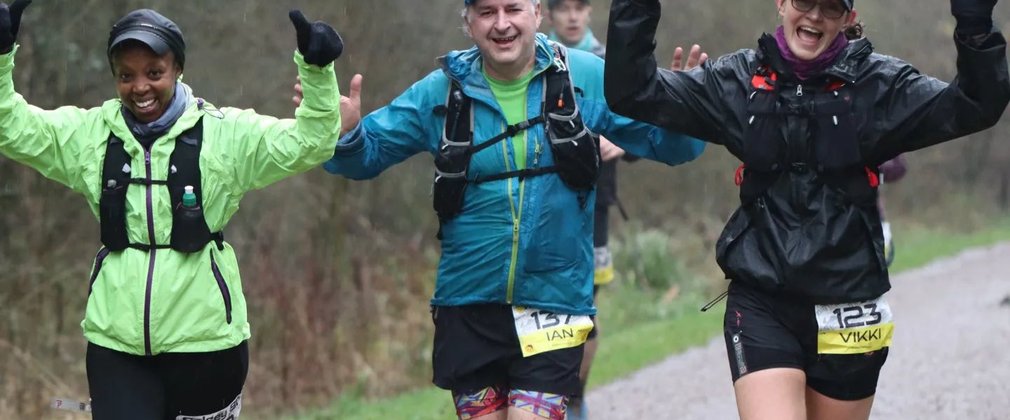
{"points": [[153, 253], [99, 259], [517, 217], [223, 286]]}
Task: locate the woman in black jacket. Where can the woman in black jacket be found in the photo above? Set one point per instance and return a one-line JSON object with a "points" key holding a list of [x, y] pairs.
{"points": [[811, 116]]}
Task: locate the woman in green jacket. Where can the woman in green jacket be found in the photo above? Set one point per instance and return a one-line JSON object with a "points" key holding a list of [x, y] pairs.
{"points": [[164, 171]]}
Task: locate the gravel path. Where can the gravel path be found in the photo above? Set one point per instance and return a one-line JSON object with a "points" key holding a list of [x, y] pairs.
{"points": [[950, 358]]}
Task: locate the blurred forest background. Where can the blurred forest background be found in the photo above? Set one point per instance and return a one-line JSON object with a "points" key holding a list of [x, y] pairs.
{"points": [[338, 273]]}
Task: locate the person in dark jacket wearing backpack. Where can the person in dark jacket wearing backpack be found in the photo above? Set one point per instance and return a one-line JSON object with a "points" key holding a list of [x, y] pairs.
{"points": [[812, 116], [163, 171]]}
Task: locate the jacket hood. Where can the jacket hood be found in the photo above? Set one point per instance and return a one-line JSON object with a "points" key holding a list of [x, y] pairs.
{"points": [[461, 65]]}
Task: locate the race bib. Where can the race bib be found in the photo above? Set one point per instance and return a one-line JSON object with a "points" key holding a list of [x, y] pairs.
{"points": [[541, 331], [854, 328]]}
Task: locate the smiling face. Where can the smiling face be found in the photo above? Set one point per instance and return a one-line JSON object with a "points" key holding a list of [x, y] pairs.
{"points": [[145, 81], [570, 20], [810, 33], [505, 32]]}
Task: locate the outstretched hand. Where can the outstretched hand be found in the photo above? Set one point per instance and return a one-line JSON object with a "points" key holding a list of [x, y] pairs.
{"points": [[10, 23], [318, 42], [695, 58], [350, 106], [609, 151]]}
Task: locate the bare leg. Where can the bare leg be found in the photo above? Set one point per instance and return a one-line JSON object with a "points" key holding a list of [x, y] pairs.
{"points": [[517, 414], [502, 414], [587, 357], [820, 407], [772, 394], [576, 404]]}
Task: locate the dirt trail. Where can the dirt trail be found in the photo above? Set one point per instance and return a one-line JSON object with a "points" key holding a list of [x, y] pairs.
{"points": [[950, 358]]}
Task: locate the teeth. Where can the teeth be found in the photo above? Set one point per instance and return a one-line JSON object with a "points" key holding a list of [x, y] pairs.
{"points": [[145, 104], [509, 39], [811, 30]]}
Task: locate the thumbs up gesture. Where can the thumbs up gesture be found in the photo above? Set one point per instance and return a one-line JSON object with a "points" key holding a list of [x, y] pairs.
{"points": [[318, 42]]}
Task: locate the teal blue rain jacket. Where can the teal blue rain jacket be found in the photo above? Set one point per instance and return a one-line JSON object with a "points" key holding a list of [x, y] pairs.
{"points": [[525, 243]]}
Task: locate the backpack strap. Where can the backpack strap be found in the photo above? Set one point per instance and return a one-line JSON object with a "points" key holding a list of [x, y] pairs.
{"points": [[116, 179], [189, 231]]}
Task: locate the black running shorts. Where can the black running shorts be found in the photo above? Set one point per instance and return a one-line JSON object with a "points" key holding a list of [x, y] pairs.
{"points": [[476, 346], [764, 331]]}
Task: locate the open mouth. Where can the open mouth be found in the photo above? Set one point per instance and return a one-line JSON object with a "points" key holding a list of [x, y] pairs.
{"points": [[503, 41], [144, 106], [808, 34]]}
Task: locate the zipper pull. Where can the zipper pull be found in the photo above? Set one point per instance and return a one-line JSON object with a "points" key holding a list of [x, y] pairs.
{"points": [[799, 90], [536, 153]]}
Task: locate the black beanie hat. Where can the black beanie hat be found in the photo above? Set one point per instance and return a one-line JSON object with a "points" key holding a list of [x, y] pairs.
{"points": [[152, 29]]}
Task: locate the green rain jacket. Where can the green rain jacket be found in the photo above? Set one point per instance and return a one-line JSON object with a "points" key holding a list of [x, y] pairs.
{"points": [[146, 303]]}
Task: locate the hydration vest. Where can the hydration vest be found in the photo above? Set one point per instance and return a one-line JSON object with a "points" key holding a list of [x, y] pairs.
{"points": [[575, 149], [189, 228], [833, 150]]}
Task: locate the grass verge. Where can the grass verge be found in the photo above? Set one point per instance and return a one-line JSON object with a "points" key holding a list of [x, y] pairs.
{"points": [[646, 331]]}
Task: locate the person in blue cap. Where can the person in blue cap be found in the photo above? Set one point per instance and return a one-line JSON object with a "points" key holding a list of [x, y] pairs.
{"points": [[512, 125], [812, 116]]}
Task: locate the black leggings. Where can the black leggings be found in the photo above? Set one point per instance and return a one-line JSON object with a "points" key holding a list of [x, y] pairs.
{"points": [[124, 386]]}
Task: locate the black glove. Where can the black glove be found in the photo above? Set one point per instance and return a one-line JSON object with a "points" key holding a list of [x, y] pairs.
{"points": [[318, 42], [974, 17], [10, 22]]}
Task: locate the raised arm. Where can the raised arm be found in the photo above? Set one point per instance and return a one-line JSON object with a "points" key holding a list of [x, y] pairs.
{"points": [[393, 133], [268, 149], [40, 139], [691, 102], [922, 111]]}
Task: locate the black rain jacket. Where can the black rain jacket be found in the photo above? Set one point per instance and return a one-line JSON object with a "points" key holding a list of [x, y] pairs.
{"points": [[802, 232]]}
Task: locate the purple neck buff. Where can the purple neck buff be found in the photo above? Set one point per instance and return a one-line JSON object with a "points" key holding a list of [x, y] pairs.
{"points": [[806, 69]]}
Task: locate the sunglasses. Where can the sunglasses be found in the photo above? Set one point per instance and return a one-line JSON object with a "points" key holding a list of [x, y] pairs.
{"points": [[831, 9]]}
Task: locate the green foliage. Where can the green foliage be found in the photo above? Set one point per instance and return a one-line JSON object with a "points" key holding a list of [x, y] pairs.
{"points": [[644, 259], [919, 245]]}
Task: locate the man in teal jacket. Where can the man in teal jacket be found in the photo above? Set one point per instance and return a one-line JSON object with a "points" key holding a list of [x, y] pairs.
{"points": [[514, 292]]}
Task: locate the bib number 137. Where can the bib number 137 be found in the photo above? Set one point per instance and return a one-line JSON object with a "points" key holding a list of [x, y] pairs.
{"points": [[541, 331]]}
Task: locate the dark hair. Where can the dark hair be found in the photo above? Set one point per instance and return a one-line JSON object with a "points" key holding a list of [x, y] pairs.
{"points": [[553, 4], [855, 31]]}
